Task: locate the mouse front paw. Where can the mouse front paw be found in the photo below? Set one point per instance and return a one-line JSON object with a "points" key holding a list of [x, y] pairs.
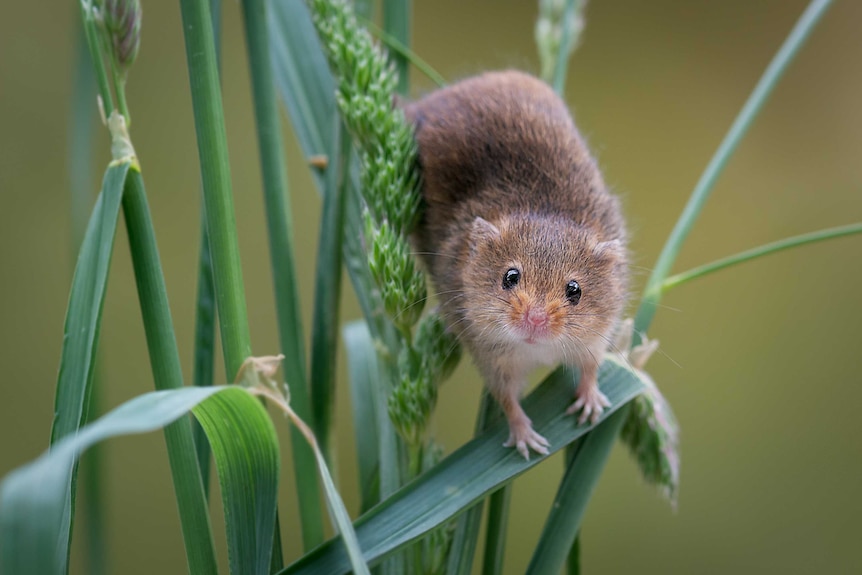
{"points": [[523, 437], [591, 402]]}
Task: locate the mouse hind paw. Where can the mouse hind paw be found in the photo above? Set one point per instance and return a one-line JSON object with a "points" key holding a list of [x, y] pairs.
{"points": [[591, 403], [524, 438]]}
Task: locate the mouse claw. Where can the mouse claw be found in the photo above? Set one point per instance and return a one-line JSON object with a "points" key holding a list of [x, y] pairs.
{"points": [[591, 403], [525, 439]]}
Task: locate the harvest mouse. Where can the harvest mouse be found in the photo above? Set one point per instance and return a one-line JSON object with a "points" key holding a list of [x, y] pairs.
{"points": [[524, 244]]}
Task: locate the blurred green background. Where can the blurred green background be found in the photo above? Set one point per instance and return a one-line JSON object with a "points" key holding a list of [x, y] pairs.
{"points": [[761, 363]]}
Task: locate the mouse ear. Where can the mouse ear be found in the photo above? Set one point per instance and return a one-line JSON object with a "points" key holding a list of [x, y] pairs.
{"points": [[484, 229], [610, 248]]}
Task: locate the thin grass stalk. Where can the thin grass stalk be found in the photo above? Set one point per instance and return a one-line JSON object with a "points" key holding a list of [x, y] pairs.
{"points": [[281, 249], [573, 562], [760, 251], [324, 334], [396, 46], [215, 175], [204, 353], [740, 126], [495, 538], [167, 374], [563, 523], [397, 15], [83, 119], [561, 66], [364, 8], [463, 548], [94, 45], [205, 312]]}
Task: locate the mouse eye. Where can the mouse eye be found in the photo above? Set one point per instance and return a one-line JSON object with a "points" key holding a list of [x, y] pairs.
{"points": [[573, 292], [511, 278]]}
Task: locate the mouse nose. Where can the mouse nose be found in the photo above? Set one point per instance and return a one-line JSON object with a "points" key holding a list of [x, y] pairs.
{"points": [[537, 317]]}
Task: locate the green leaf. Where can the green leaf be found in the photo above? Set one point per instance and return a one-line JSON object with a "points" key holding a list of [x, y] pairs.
{"points": [[567, 511], [397, 16], [364, 373], [498, 523], [463, 549], [302, 77], [470, 473], [84, 314], [245, 448], [34, 498], [83, 321]]}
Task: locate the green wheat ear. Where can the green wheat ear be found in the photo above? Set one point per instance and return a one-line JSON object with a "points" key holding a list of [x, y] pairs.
{"points": [[390, 190]]}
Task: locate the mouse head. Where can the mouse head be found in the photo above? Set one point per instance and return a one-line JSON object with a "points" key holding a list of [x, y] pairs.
{"points": [[545, 281]]}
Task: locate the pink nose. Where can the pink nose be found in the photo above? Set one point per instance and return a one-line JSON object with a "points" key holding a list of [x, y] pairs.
{"points": [[537, 317]]}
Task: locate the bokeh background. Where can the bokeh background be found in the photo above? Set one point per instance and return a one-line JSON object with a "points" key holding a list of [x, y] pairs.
{"points": [[761, 363]]}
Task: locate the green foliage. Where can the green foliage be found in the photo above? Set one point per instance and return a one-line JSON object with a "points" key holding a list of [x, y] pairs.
{"points": [[397, 358], [35, 498]]}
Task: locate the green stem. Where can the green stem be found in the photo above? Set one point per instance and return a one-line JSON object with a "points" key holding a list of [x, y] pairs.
{"points": [[96, 55], [205, 318], [561, 66], [324, 335], [205, 312], [167, 374], [760, 251], [764, 87], [573, 562], [412, 57], [120, 89], [576, 489], [80, 147], [396, 23], [281, 251], [467, 529], [495, 538], [215, 175]]}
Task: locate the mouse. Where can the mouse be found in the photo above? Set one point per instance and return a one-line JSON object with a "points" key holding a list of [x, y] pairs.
{"points": [[525, 246]]}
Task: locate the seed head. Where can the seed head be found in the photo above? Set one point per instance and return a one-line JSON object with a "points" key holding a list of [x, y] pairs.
{"points": [[123, 24]]}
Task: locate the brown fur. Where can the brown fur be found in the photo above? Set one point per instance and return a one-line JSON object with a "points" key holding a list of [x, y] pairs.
{"points": [[509, 183]]}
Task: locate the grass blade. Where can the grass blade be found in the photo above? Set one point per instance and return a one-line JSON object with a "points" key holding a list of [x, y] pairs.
{"points": [[771, 248], [567, 40], [303, 78], [204, 358], [34, 499], [582, 475], [84, 314], [466, 537], [167, 374], [82, 121], [327, 290], [215, 175], [363, 373], [394, 45], [746, 116], [281, 251], [338, 512], [397, 15], [205, 312], [498, 522], [245, 448], [83, 322], [469, 474]]}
